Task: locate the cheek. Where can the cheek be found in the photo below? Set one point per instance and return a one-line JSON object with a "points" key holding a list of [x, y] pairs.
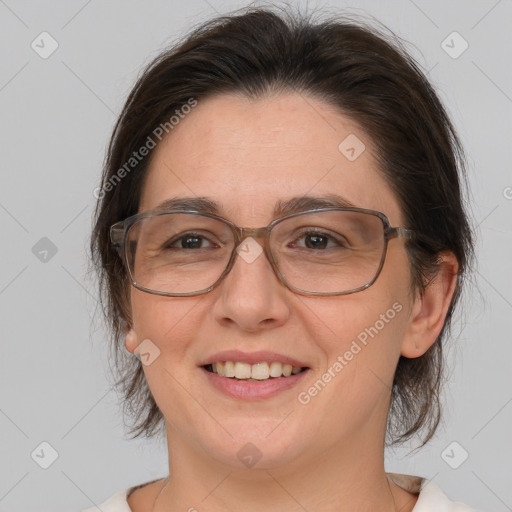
{"points": [[361, 333], [162, 318], [170, 324], [354, 382], [361, 337]]}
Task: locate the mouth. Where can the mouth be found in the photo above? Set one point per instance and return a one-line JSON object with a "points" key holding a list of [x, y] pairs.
{"points": [[253, 376], [257, 372]]}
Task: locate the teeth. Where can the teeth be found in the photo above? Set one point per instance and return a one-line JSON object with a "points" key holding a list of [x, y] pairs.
{"points": [[276, 369], [258, 371], [229, 369], [220, 369], [287, 370], [242, 370]]}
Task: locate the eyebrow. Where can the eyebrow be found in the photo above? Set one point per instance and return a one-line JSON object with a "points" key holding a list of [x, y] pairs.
{"points": [[282, 207]]}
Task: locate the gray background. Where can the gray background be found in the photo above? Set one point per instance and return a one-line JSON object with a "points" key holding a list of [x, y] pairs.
{"points": [[57, 114]]}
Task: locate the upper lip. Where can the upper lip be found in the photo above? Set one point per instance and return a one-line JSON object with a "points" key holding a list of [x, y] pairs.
{"points": [[251, 358]]}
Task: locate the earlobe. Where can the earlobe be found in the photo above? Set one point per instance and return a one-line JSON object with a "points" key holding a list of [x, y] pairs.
{"points": [[131, 341], [430, 308]]}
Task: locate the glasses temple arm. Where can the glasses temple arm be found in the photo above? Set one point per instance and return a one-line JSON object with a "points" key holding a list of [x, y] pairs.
{"points": [[408, 234], [117, 236]]}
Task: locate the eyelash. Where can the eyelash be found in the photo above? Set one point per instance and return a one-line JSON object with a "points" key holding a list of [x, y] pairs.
{"points": [[182, 236], [323, 234]]}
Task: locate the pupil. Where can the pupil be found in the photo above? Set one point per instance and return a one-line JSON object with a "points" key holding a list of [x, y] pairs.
{"points": [[316, 241], [191, 242]]}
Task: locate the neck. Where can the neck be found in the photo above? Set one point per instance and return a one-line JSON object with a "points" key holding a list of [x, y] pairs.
{"points": [[346, 477]]}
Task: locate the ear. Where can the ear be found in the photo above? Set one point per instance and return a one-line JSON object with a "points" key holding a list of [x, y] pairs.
{"points": [[430, 308], [131, 341]]}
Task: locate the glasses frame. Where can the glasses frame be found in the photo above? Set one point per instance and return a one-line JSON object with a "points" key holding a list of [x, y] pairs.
{"points": [[119, 232]]}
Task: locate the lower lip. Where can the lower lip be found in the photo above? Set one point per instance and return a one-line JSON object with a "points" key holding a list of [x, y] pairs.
{"points": [[253, 390]]}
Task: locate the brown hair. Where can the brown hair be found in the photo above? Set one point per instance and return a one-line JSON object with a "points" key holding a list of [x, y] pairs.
{"points": [[368, 76]]}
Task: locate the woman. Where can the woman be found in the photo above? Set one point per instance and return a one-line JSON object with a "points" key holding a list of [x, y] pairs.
{"points": [[280, 358]]}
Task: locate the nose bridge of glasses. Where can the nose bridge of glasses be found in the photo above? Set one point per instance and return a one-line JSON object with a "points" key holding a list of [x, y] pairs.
{"points": [[244, 233]]}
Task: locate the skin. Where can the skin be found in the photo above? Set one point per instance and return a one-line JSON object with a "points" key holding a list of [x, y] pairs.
{"points": [[326, 455]]}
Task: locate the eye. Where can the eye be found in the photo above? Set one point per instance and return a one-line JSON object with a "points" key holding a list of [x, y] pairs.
{"points": [[318, 240], [190, 241]]}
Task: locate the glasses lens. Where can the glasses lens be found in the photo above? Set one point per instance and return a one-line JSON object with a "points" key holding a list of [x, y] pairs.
{"points": [[178, 253], [328, 252]]}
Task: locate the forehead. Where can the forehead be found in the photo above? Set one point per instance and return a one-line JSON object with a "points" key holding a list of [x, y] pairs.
{"points": [[251, 155]]}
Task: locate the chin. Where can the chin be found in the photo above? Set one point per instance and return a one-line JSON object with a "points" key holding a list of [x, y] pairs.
{"points": [[263, 445]]}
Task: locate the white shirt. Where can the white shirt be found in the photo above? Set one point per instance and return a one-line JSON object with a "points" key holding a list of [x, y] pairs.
{"points": [[431, 498]]}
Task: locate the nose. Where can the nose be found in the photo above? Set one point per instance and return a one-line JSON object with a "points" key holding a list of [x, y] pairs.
{"points": [[251, 296]]}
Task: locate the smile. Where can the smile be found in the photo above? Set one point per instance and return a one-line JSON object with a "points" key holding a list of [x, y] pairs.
{"points": [[259, 371]]}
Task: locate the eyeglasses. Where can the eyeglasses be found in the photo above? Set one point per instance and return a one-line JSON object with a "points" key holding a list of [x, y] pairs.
{"points": [[326, 251]]}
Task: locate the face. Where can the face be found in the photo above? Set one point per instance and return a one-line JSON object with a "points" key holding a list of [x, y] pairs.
{"points": [[247, 155]]}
